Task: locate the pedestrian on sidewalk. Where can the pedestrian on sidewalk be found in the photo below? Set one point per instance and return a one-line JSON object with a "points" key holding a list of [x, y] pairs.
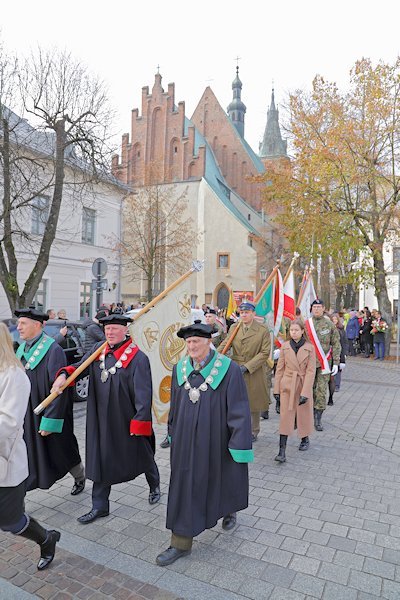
{"points": [[120, 441], [352, 332], [293, 388], [335, 380], [379, 329], [53, 449], [210, 429], [365, 333], [15, 389]]}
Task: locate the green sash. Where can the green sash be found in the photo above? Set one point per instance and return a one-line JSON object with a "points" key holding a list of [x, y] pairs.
{"points": [[36, 353], [216, 369]]}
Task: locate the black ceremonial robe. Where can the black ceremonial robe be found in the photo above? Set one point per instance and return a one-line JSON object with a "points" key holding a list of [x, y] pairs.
{"points": [[116, 409], [50, 457], [210, 446]]}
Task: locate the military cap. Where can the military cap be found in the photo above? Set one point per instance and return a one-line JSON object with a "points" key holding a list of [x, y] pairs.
{"points": [[317, 302], [210, 311], [31, 313], [198, 329], [247, 306], [116, 318]]}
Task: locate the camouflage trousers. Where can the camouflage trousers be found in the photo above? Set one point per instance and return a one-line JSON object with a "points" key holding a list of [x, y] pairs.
{"points": [[320, 390]]}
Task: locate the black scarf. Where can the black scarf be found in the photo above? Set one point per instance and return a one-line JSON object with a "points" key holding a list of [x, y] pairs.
{"points": [[297, 345]]}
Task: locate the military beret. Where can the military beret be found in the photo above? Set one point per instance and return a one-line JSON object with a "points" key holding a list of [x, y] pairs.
{"points": [[247, 306], [210, 311], [32, 313], [317, 302], [198, 329]]}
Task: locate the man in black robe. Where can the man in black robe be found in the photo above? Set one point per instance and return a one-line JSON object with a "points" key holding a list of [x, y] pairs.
{"points": [[52, 446], [210, 430], [119, 435]]}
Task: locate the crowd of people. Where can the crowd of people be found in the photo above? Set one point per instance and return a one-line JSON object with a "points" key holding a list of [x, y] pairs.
{"points": [[220, 390]]}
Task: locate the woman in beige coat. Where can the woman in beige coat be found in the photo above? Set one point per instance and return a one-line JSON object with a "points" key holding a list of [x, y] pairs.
{"points": [[293, 388]]}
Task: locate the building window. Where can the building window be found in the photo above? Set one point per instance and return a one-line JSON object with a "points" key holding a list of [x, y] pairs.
{"points": [[88, 225], [250, 242], [40, 214], [396, 258], [222, 260], [40, 298], [85, 300]]}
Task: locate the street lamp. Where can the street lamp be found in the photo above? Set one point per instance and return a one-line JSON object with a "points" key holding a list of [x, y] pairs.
{"points": [[263, 274]]}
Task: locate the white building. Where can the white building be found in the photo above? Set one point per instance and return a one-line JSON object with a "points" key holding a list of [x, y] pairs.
{"points": [[87, 229]]}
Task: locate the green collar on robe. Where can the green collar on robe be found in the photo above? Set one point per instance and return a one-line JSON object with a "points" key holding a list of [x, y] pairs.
{"points": [[206, 372], [36, 353]]}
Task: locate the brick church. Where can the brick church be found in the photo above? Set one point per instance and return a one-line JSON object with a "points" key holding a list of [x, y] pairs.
{"points": [[208, 154]]}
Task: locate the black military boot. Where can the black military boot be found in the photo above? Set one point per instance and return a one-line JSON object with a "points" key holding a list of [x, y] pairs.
{"points": [[304, 444], [281, 457], [318, 416], [46, 539], [265, 414]]}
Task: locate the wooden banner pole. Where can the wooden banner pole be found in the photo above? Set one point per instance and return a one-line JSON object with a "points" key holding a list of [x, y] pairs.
{"points": [[197, 266]]}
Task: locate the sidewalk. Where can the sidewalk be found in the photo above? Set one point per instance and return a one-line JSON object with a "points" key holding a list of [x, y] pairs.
{"points": [[325, 525]]}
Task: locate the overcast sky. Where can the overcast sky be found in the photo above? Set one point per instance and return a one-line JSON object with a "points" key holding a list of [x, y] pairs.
{"points": [[195, 44]]}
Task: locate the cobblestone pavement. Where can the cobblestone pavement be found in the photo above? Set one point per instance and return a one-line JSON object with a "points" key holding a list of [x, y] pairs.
{"points": [[326, 524]]}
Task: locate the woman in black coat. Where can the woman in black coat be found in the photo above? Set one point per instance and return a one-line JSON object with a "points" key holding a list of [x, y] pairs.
{"points": [[365, 333]]}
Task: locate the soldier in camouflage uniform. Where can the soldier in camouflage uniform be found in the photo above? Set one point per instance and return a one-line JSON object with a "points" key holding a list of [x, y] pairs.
{"points": [[218, 334], [329, 338]]}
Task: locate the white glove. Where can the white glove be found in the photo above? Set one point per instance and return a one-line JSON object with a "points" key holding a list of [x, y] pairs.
{"points": [[276, 353], [335, 369], [342, 366]]}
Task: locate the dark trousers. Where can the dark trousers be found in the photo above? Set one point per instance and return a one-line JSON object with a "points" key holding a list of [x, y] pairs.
{"points": [[101, 491], [379, 350]]}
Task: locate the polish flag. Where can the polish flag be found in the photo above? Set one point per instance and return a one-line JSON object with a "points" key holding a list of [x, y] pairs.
{"points": [[289, 304]]}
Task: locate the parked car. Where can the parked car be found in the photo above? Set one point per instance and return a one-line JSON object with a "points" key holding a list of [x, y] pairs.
{"points": [[72, 344]]}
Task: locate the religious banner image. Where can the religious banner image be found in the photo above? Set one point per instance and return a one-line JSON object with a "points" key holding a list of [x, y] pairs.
{"points": [[155, 334]]}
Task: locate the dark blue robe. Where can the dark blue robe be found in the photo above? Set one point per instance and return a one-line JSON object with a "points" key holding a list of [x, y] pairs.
{"points": [[50, 457], [206, 482]]}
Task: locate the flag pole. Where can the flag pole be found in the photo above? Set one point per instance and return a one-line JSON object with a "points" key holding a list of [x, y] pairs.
{"points": [[196, 267], [290, 268], [303, 287], [256, 299]]}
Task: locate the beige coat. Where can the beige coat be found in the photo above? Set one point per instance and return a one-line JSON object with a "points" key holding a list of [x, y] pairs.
{"points": [[252, 349], [294, 377]]}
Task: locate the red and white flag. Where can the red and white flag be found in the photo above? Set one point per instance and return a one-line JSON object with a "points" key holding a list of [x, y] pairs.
{"points": [[289, 304], [307, 298], [278, 302]]}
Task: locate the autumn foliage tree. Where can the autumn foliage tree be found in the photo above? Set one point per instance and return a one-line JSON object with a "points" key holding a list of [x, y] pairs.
{"points": [[342, 192]]}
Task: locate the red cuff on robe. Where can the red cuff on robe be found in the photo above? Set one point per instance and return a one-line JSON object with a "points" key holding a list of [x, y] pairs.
{"points": [[69, 370], [140, 427]]}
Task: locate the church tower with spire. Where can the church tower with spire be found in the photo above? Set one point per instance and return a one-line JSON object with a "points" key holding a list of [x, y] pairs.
{"points": [[236, 109], [273, 146]]}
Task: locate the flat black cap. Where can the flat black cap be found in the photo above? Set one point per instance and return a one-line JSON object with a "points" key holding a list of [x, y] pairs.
{"points": [[31, 313], [198, 329]]}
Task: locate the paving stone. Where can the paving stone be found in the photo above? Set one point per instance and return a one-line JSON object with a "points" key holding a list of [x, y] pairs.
{"points": [[335, 591], [283, 594], [292, 531], [305, 564], [334, 572], [308, 585], [347, 559], [365, 582], [379, 567], [294, 545], [277, 556], [321, 552], [369, 550], [341, 543], [391, 590]]}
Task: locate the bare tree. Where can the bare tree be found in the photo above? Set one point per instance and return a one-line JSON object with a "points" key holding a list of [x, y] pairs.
{"points": [[158, 235], [67, 146]]}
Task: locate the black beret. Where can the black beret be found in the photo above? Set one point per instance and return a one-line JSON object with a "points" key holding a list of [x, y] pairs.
{"points": [[210, 311], [198, 329], [116, 318], [31, 313], [317, 302]]}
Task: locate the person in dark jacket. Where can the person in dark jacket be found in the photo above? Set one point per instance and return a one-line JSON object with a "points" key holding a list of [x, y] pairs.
{"points": [[365, 333], [94, 331], [352, 331], [335, 381]]}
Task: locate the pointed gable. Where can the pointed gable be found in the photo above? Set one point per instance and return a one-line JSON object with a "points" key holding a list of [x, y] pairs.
{"points": [[236, 160]]}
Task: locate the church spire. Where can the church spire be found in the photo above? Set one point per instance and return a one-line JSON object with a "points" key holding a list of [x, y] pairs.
{"points": [[236, 109], [273, 146]]}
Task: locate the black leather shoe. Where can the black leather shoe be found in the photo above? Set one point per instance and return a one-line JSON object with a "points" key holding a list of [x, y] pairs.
{"points": [[91, 516], [265, 414], [253, 438], [165, 443], [229, 522], [48, 549], [78, 487], [170, 555], [154, 495]]}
